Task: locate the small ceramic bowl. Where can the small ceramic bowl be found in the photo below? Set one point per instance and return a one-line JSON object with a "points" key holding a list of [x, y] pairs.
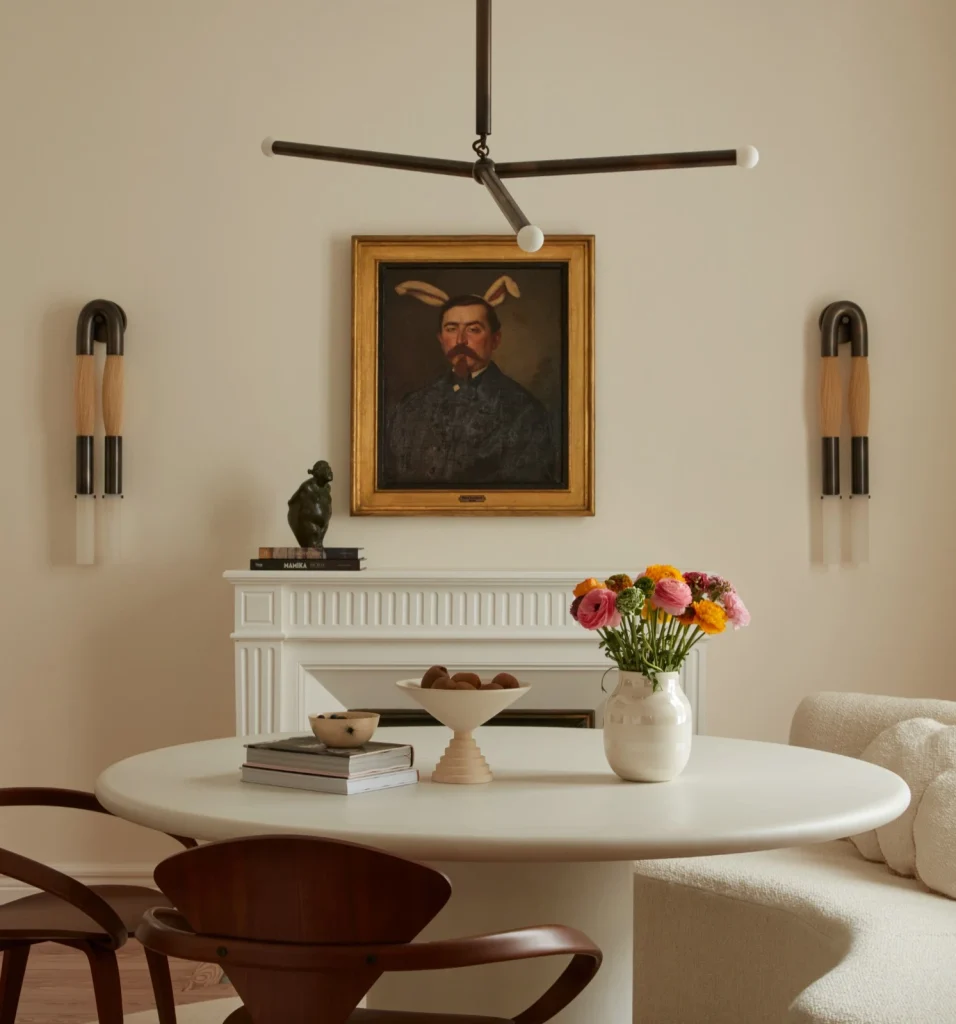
{"points": [[344, 728]]}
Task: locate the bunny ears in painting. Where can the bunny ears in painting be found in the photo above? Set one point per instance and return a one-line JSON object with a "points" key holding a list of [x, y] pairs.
{"points": [[432, 296]]}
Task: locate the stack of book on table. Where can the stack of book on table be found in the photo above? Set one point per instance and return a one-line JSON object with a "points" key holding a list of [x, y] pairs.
{"points": [[312, 559], [303, 762]]}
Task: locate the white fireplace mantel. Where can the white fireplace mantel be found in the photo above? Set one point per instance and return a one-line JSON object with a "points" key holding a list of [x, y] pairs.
{"points": [[307, 642]]}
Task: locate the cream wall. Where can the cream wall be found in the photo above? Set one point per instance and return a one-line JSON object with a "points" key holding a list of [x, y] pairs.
{"points": [[131, 169]]}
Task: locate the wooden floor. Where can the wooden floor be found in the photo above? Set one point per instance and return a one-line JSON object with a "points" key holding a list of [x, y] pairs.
{"points": [[57, 987]]}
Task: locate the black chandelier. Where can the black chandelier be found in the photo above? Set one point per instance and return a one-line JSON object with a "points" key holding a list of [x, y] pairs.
{"points": [[486, 172]]}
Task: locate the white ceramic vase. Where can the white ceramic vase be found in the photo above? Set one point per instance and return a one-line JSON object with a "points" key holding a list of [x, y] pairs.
{"points": [[647, 732]]}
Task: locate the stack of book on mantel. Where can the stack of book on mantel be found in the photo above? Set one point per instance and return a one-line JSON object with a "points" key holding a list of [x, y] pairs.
{"points": [[314, 559], [303, 762]]}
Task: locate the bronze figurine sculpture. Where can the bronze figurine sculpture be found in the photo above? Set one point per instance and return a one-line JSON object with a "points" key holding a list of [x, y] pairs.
{"points": [[310, 508]]}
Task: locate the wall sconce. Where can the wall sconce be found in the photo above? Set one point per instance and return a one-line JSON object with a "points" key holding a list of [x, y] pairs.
{"points": [[844, 321], [105, 321]]}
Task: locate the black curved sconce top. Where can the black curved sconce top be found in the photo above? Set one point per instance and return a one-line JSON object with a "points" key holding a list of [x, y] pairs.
{"points": [[843, 321]]}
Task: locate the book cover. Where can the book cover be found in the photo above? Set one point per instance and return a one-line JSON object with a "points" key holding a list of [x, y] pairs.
{"points": [[306, 752], [311, 553], [302, 767], [310, 745], [325, 784], [386, 761], [312, 564]]}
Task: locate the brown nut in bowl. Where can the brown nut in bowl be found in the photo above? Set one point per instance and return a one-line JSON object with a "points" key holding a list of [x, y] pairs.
{"points": [[435, 672], [471, 678], [506, 681]]}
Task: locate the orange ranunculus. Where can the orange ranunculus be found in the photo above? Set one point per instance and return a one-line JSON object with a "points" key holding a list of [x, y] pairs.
{"points": [[586, 586], [663, 572], [687, 619], [709, 617]]}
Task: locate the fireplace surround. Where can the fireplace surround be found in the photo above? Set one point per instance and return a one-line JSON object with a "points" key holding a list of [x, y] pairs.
{"points": [[307, 642]]}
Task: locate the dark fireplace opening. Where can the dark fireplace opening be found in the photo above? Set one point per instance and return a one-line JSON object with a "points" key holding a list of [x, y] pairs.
{"points": [[563, 718]]}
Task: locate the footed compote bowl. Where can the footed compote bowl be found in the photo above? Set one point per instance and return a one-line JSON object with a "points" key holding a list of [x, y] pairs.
{"points": [[462, 711]]}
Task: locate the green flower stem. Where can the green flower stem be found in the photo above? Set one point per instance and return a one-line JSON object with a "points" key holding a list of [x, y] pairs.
{"points": [[672, 628], [648, 645], [681, 639], [692, 639]]}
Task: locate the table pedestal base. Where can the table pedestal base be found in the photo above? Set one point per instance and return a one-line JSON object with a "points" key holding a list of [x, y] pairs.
{"points": [[597, 898]]}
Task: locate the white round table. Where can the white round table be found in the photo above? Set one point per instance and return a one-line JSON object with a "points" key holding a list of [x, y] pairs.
{"points": [[550, 840]]}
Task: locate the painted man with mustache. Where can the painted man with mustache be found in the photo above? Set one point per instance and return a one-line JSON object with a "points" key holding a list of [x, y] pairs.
{"points": [[474, 426]]}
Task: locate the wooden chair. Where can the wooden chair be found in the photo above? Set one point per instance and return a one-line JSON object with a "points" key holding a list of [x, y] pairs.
{"points": [[96, 919], [304, 927]]}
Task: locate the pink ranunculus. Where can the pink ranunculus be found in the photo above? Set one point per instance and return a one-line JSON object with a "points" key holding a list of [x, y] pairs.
{"points": [[598, 609], [736, 610], [672, 596]]}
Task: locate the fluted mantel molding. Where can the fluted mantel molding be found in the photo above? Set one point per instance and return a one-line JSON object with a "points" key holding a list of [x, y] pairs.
{"points": [[473, 604], [310, 641]]}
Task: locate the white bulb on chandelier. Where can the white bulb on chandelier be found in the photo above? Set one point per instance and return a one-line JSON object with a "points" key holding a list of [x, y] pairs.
{"points": [[267, 146], [747, 157], [530, 238]]}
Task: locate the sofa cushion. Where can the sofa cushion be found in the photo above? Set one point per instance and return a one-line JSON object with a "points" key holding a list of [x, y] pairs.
{"points": [[902, 748], [895, 940], [895, 748], [917, 750], [829, 885], [934, 830], [845, 723]]}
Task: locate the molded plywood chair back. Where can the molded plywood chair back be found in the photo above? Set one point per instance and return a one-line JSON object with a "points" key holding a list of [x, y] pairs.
{"points": [[305, 926], [302, 889], [95, 919]]}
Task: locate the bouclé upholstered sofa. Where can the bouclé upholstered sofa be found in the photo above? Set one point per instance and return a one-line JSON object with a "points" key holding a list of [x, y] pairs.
{"points": [[818, 934]]}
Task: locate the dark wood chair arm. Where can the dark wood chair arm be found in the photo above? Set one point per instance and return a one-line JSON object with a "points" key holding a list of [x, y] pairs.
{"points": [[521, 944], [54, 882], [166, 931], [51, 796], [570, 983]]}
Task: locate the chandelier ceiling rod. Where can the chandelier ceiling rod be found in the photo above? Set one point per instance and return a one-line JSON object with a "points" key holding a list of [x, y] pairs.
{"points": [[483, 68], [487, 173]]}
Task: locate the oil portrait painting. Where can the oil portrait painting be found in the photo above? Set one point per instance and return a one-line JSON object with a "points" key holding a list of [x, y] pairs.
{"points": [[472, 389]]}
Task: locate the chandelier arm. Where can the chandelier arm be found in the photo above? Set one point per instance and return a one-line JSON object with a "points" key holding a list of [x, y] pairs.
{"points": [[485, 174], [605, 164], [483, 68], [370, 158]]}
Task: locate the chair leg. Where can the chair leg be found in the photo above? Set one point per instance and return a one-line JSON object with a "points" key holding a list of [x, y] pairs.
{"points": [[11, 981], [162, 987], [106, 984]]}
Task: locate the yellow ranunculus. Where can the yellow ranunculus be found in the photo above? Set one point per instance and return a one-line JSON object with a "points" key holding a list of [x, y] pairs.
{"points": [[709, 617], [663, 572], [586, 586], [649, 607]]}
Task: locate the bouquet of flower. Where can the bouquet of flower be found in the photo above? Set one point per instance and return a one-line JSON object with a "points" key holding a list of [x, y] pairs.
{"points": [[649, 625]]}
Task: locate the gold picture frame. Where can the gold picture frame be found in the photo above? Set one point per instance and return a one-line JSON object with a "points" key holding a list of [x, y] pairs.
{"points": [[402, 371]]}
